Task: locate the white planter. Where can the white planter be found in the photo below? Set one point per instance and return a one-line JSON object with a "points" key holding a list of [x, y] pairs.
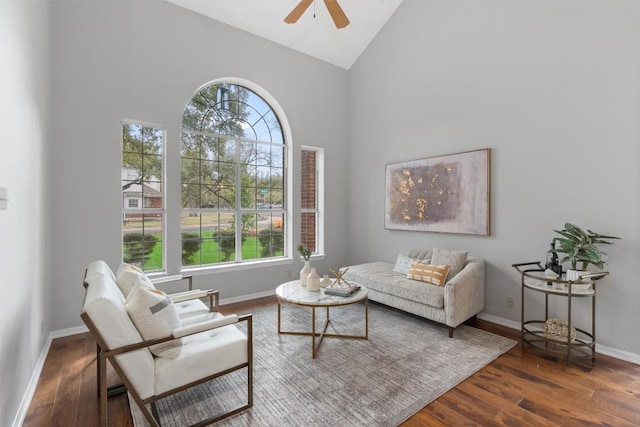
{"points": [[573, 275], [304, 274], [313, 281]]}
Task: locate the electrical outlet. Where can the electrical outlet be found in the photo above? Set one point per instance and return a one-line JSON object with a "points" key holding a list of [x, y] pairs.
{"points": [[510, 302]]}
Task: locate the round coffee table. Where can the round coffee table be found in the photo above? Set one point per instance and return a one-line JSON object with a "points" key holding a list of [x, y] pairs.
{"points": [[293, 293]]}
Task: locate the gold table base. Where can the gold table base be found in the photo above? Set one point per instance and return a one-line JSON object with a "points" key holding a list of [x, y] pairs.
{"points": [[323, 330]]}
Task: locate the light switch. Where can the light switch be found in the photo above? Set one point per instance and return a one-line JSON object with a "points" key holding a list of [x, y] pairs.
{"points": [[4, 198]]}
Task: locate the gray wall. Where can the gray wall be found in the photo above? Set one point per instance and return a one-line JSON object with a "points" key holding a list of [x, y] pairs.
{"points": [[25, 255], [552, 89], [143, 61]]}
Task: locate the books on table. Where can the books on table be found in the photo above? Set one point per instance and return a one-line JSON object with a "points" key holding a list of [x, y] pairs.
{"points": [[342, 292]]}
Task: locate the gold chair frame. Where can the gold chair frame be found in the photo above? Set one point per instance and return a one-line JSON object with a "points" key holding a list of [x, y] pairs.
{"points": [[109, 355]]}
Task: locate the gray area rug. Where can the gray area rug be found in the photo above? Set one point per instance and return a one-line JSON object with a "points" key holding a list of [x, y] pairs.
{"points": [[406, 363]]}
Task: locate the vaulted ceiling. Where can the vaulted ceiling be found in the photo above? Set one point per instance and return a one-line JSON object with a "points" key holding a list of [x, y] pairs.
{"points": [[314, 33]]}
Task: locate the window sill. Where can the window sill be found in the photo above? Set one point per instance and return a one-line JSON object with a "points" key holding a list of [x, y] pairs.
{"points": [[162, 276], [209, 269]]}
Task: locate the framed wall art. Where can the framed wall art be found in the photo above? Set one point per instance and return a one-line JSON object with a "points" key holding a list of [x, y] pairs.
{"points": [[447, 194]]}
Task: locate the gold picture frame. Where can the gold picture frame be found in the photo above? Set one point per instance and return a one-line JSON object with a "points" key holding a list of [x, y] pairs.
{"points": [[445, 194]]}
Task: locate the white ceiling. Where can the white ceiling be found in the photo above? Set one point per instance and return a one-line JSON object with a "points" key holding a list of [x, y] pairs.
{"points": [[317, 37]]}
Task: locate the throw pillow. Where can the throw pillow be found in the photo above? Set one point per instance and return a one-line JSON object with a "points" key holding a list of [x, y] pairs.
{"points": [[434, 274], [127, 277], [455, 259], [403, 263], [155, 316], [419, 254]]}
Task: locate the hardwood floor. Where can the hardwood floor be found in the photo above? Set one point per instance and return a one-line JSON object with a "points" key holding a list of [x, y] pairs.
{"points": [[520, 388]]}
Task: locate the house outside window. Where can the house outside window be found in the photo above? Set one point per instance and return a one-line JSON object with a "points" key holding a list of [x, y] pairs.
{"points": [[312, 200], [233, 178], [142, 181]]}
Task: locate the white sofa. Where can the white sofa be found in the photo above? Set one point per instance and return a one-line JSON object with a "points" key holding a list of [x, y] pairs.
{"points": [[460, 299]]}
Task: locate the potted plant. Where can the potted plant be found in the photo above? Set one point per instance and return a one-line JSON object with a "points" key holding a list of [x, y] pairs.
{"points": [[306, 270], [581, 246]]}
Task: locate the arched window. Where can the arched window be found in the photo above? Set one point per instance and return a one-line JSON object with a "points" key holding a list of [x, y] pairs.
{"points": [[233, 166]]}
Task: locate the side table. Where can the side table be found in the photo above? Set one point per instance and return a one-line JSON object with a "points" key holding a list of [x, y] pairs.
{"points": [[293, 293], [583, 345]]}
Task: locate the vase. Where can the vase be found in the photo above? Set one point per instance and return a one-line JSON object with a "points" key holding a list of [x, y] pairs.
{"points": [[574, 275], [325, 281], [313, 281], [304, 273]]}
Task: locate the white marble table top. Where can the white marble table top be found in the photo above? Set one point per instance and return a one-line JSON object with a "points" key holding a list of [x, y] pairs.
{"points": [[293, 293]]}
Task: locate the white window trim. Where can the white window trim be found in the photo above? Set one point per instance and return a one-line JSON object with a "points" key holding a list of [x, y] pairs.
{"points": [[163, 209], [319, 198], [173, 261]]}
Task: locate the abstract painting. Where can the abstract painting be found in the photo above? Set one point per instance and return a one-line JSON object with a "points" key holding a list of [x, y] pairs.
{"points": [[447, 194]]}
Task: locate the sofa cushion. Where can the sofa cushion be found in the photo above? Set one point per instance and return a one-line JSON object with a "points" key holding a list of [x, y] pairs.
{"points": [[403, 264], [419, 254], [380, 277], [404, 260], [429, 273], [456, 259], [155, 316]]}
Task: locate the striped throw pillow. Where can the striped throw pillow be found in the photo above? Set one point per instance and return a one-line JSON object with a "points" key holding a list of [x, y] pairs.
{"points": [[428, 273]]}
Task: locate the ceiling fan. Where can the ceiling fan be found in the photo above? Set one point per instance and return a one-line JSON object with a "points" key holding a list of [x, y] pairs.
{"points": [[336, 12]]}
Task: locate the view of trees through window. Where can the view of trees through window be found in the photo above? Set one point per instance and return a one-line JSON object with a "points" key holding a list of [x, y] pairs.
{"points": [[233, 178], [142, 195]]}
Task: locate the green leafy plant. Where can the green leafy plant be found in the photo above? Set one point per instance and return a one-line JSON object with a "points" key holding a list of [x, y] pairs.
{"points": [[271, 240], [580, 246], [190, 245], [137, 247], [304, 252]]}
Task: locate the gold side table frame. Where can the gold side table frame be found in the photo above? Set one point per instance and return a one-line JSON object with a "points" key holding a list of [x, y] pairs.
{"points": [[293, 293]]}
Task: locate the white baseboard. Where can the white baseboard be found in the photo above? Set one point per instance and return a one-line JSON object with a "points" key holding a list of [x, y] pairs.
{"points": [[33, 383], [600, 349], [242, 298]]}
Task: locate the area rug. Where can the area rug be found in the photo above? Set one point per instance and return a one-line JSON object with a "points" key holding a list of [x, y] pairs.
{"points": [[406, 363]]}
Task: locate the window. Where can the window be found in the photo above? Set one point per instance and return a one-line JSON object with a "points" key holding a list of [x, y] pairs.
{"points": [[311, 167], [142, 179], [233, 191]]}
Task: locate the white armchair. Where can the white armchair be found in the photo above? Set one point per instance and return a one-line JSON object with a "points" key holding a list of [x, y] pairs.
{"points": [[196, 355]]}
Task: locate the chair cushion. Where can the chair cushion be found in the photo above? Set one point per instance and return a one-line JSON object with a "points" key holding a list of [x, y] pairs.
{"points": [[190, 308], [104, 304], [127, 276], [155, 316], [203, 354], [98, 268]]}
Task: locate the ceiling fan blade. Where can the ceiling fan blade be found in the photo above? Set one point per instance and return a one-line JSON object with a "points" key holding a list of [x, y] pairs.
{"points": [[297, 11], [337, 14]]}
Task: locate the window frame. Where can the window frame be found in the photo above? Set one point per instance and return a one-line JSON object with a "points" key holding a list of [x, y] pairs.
{"points": [[287, 210], [319, 193], [141, 209]]}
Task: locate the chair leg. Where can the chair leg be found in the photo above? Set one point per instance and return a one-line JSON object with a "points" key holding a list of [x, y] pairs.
{"points": [[250, 357], [102, 383], [451, 328]]}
